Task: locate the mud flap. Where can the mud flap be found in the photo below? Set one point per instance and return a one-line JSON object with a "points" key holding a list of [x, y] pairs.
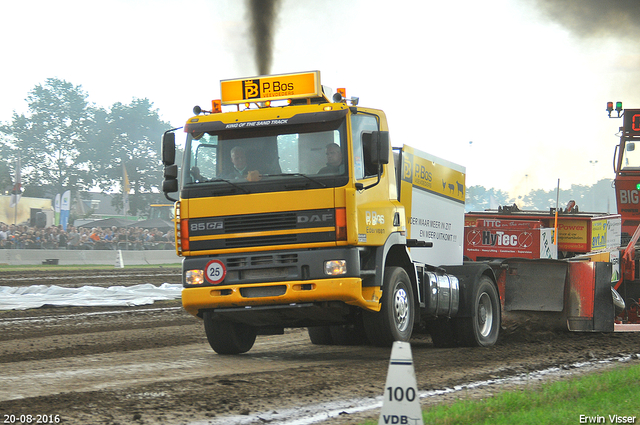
{"points": [[590, 303], [533, 285], [581, 291]]}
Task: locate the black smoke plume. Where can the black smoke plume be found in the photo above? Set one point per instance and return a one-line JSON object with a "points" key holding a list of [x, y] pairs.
{"points": [[263, 15], [595, 18]]}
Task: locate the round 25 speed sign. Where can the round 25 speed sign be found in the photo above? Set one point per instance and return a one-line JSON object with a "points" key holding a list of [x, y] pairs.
{"points": [[215, 272]]}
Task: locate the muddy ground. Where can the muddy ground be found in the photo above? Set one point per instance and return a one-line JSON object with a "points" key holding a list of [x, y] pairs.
{"points": [[152, 364]]}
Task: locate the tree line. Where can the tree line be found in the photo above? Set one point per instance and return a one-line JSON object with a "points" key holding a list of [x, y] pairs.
{"points": [[600, 197], [66, 143]]}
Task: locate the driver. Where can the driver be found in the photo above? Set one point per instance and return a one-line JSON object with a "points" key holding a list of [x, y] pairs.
{"points": [[240, 168], [195, 174]]}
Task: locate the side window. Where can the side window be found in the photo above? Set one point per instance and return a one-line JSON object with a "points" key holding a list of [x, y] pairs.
{"points": [[206, 160], [361, 153], [202, 159]]}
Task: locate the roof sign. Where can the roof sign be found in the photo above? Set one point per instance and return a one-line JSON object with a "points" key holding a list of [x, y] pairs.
{"points": [[271, 87]]}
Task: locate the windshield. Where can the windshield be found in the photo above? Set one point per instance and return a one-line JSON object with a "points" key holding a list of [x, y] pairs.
{"points": [[258, 160], [631, 157]]}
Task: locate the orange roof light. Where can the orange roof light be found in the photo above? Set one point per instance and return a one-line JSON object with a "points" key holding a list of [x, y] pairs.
{"points": [[216, 106]]}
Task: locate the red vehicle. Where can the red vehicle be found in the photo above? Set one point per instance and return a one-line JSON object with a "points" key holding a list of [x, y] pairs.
{"points": [[571, 276], [626, 165], [513, 237]]}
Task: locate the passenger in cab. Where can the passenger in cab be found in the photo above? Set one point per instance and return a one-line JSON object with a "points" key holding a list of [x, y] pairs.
{"points": [[334, 160]]}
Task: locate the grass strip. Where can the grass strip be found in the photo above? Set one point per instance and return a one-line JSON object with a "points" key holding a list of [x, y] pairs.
{"points": [[607, 397]]}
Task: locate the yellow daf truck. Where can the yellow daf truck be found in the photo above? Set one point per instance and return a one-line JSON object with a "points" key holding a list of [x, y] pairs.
{"points": [[295, 211]]}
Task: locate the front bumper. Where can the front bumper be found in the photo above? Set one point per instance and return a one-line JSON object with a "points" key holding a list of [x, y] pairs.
{"points": [[285, 294]]}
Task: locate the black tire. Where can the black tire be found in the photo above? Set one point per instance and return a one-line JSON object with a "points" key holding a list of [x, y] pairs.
{"points": [[394, 321], [228, 337], [483, 327], [443, 332], [320, 335], [351, 334]]}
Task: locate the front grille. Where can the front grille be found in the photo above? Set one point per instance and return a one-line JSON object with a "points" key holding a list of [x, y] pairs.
{"points": [[263, 291], [261, 260], [267, 240], [260, 222], [240, 225], [261, 240]]}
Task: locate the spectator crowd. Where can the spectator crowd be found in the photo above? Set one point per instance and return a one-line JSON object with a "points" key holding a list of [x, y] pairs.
{"points": [[54, 237]]}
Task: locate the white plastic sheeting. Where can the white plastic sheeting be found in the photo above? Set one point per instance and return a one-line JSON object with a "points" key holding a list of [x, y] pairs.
{"points": [[35, 296]]}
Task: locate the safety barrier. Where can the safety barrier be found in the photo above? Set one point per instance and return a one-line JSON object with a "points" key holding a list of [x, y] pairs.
{"points": [[21, 257]]}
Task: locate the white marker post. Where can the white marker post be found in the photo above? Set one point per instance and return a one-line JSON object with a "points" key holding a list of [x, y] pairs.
{"points": [[401, 403], [119, 260]]}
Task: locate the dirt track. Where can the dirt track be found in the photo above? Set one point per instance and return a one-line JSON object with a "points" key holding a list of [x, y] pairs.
{"points": [[152, 364]]}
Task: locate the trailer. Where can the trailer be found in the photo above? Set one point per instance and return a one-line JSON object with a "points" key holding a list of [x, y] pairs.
{"points": [[561, 262]]}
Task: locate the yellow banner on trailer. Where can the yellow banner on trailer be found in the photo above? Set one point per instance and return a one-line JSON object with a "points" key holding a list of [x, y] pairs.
{"points": [[271, 87]]}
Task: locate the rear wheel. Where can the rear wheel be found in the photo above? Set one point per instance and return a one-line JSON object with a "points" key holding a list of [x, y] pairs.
{"points": [[443, 332], [394, 321], [483, 327], [228, 337]]}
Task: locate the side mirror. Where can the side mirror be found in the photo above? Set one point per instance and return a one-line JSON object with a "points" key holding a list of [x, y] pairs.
{"points": [[170, 182], [171, 172], [383, 147], [169, 186], [378, 145], [169, 148]]}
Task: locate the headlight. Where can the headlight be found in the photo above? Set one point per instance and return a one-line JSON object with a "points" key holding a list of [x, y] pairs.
{"points": [[194, 277], [335, 267]]}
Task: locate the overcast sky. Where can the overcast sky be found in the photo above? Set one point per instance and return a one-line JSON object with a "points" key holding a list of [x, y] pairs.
{"points": [[514, 90]]}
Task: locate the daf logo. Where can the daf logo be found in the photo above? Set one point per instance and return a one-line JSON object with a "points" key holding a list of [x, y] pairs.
{"points": [[314, 218]]}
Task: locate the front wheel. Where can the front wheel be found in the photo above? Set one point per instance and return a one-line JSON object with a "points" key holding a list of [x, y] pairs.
{"points": [[394, 321], [320, 335], [481, 329], [228, 337]]}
